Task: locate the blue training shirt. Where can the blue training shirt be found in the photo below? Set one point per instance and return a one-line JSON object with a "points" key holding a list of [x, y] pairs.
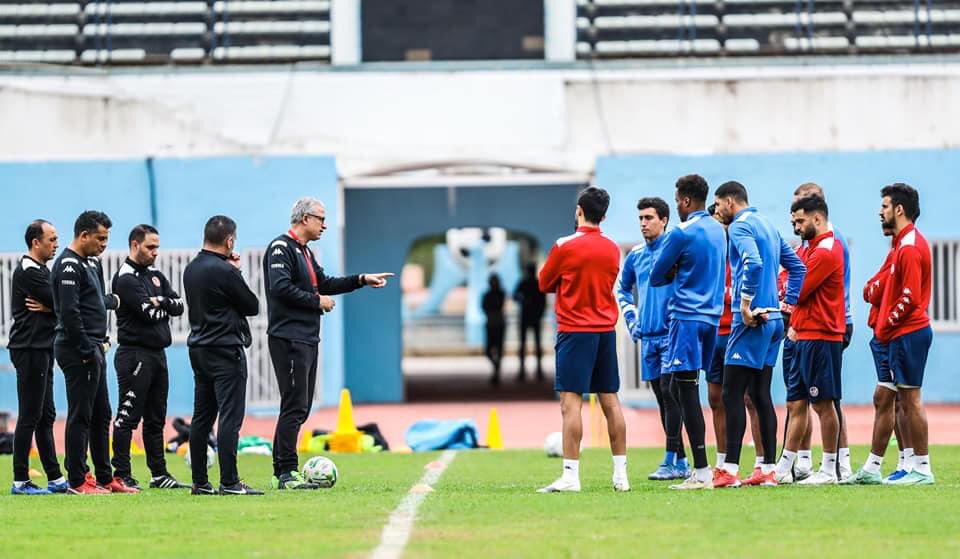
{"points": [[650, 318], [846, 271], [698, 247], [756, 253]]}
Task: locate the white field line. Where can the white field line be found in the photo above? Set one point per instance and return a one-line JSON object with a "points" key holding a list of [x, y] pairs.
{"points": [[397, 532]]}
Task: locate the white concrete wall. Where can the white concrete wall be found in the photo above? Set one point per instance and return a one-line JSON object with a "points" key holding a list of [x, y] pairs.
{"points": [[563, 118]]}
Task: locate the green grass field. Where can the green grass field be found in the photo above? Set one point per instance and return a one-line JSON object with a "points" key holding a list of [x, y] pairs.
{"points": [[485, 506]]}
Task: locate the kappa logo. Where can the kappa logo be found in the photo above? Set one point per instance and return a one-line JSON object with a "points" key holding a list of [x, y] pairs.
{"points": [[124, 413], [737, 356], [814, 391], [69, 269], [277, 252], [130, 394], [677, 362], [127, 404]]}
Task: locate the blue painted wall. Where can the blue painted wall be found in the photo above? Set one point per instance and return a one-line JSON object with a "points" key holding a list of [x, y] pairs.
{"points": [[852, 182], [381, 227], [257, 192]]}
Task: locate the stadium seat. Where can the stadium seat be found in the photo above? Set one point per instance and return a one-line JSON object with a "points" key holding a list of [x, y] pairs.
{"points": [[784, 19], [907, 41], [60, 11], [741, 45], [56, 30], [144, 29], [658, 21], [817, 43], [905, 16], [275, 7], [51, 56], [272, 52], [115, 55], [271, 27], [144, 9], [659, 47]]}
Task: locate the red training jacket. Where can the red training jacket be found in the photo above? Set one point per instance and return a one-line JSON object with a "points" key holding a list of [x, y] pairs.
{"points": [[820, 313], [906, 293], [582, 270], [873, 290], [726, 319]]}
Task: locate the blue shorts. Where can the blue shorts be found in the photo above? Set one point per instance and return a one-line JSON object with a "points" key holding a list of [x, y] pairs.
{"points": [[655, 358], [756, 347], [881, 361], [790, 378], [587, 362], [815, 375], [691, 345], [908, 357], [715, 372]]}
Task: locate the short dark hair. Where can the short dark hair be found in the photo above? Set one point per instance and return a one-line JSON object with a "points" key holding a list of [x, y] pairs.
{"points": [[34, 231], [658, 204], [712, 209], [594, 202], [811, 204], [89, 221], [140, 232], [809, 188], [694, 187], [733, 189], [218, 228], [902, 194]]}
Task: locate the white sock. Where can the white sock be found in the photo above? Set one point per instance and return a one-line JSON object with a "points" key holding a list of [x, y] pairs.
{"points": [[732, 469], [786, 462], [873, 463], [829, 464], [901, 462], [620, 466], [805, 460], [844, 458], [921, 464], [703, 474], [767, 468], [721, 458], [19, 484], [58, 481], [758, 461], [571, 470], [909, 459]]}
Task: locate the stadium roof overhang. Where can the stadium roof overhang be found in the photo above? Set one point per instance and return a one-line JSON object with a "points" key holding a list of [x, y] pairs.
{"points": [[463, 173]]}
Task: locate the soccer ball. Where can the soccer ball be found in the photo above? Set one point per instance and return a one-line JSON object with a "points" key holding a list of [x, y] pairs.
{"points": [[211, 457], [320, 470], [553, 445]]}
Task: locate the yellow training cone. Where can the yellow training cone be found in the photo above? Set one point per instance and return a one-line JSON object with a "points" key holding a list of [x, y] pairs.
{"points": [[346, 437], [305, 438], [494, 436]]}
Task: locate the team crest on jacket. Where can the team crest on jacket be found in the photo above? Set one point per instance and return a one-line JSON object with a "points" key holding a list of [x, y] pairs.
{"points": [[156, 281], [814, 391]]}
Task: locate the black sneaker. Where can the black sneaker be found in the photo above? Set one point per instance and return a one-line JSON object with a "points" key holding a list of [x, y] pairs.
{"points": [[205, 489], [239, 488], [131, 483], [167, 481], [293, 480]]}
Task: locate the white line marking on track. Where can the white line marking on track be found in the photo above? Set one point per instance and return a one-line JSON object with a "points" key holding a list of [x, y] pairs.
{"points": [[397, 532]]}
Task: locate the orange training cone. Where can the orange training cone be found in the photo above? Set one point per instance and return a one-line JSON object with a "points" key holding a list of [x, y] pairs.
{"points": [[494, 436], [346, 437]]}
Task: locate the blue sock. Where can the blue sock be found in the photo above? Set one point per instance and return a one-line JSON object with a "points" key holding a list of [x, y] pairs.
{"points": [[669, 458], [682, 463]]}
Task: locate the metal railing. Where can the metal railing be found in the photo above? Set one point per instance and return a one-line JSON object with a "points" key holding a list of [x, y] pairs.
{"points": [[944, 303]]}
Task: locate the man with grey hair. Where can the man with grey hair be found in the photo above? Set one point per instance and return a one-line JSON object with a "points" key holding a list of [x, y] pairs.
{"points": [[297, 296]]}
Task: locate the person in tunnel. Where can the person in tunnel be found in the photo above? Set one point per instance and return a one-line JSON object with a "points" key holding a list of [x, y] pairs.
{"points": [[532, 305], [492, 305]]}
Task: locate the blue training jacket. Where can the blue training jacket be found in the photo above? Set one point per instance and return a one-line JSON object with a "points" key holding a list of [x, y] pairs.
{"points": [[846, 271], [649, 319], [756, 253], [698, 247]]}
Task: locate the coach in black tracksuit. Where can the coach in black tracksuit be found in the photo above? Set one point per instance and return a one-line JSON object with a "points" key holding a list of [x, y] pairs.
{"points": [[218, 302], [31, 351], [297, 290], [80, 345], [143, 332]]}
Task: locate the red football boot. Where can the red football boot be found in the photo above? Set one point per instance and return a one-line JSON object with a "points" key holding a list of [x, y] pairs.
{"points": [[117, 486], [723, 478]]}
